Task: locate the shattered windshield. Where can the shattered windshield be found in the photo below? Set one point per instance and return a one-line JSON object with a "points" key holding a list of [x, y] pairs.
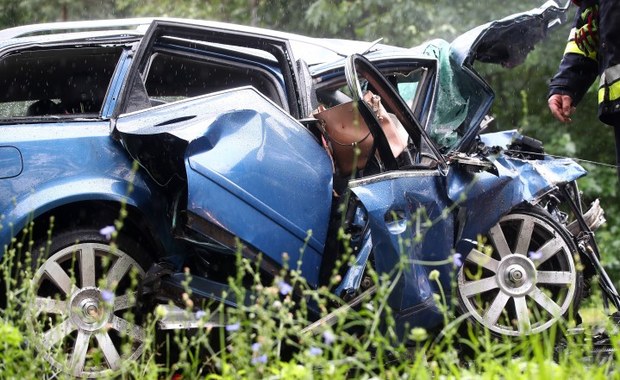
{"points": [[461, 102]]}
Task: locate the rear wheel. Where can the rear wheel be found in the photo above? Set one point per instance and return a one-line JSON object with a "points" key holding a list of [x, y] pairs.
{"points": [[529, 280], [83, 312]]}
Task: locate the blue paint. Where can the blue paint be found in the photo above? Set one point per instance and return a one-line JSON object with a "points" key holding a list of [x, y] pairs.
{"points": [[269, 183], [11, 163], [255, 172]]}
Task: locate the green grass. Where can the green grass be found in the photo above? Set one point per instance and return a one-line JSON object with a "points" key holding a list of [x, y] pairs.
{"points": [[265, 340], [269, 338]]}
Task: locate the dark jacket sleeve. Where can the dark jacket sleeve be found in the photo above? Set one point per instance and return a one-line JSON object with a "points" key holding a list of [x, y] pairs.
{"points": [[577, 70], [575, 75]]}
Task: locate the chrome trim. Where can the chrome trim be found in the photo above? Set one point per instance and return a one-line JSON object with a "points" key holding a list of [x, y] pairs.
{"points": [[393, 175], [175, 318], [58, 27]]}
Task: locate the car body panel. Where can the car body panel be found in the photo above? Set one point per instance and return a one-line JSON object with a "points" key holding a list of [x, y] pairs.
{"points": [[91, 168], [405, 216], [511, 182], [253, 171], [11, 162], [509, 40]]}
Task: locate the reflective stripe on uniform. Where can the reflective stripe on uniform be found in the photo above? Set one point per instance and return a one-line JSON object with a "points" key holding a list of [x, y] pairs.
{"points": [[610, 83], [614, 93], [610, 75], [571, 35], [571, 46]]}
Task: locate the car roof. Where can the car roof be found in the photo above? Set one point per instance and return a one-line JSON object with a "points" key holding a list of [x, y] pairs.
{"points": [[310, 49]]}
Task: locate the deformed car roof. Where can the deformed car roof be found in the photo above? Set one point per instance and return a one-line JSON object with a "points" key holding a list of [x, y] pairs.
{"points": [[506, 41], [311, 50]]}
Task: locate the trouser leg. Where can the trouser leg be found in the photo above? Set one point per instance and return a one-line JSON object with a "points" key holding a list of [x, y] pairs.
{"points": [[617, 137]]}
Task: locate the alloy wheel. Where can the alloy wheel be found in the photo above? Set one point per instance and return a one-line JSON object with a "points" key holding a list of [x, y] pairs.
{"points": [[527, 282], [83, 311]]}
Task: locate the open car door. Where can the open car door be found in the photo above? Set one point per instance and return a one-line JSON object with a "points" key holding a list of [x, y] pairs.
{"points": [[192, 39], [237, 159], [400, 202]]}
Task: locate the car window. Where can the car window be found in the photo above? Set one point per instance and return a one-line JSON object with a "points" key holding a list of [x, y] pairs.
{"points": [[173, 76], [179, 69], [56, 82], [461, 99], [408, 85], [411, 84]]}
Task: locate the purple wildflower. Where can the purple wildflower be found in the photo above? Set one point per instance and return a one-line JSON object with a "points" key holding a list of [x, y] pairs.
{"points": [[200, 314], [233, 327], [315, 351], [328, 337], [284, 287], [259, 359], [457, 260], [107, 231], [256, 347], [535, 255], [107, 296]]}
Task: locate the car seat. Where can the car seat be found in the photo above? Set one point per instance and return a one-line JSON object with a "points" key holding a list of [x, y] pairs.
{"points": [[42, 107]]}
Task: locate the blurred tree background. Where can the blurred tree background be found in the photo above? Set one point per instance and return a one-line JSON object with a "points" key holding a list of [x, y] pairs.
{"points": [[521, 92]]}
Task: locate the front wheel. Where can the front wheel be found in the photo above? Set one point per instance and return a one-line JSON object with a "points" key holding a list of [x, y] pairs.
{"points": [[83, 310], [527, 281]]}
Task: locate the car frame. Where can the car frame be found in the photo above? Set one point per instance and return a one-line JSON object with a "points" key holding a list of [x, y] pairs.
{"points": [[163, 159]]}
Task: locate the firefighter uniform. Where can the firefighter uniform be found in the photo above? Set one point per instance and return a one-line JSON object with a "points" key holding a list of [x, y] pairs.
{"points": [[593, 49]]}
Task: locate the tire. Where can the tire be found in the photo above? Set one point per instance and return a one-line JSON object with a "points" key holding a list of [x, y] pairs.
{"points": [[84, 307], [529, 282]]}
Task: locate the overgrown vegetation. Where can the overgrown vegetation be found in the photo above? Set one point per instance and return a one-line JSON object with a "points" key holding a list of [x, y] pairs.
{"points": [[265, 339], [273, 336]]}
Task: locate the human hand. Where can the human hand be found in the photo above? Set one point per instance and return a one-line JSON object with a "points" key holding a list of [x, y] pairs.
{"points": [[374, 101], [561, 107]]}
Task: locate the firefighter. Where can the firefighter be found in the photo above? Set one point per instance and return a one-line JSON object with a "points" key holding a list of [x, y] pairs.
{"points": [[593, 49]]}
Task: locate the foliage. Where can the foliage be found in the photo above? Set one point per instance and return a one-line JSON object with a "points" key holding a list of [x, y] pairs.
{"points": [[271, 326], [269, 338]]}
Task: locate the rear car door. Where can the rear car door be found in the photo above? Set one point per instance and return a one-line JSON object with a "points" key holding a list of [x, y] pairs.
{"points": [[168, 53], [244, 165]]}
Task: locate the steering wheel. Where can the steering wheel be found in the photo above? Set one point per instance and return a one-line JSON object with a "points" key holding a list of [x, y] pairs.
{"points": [[357, 66]]}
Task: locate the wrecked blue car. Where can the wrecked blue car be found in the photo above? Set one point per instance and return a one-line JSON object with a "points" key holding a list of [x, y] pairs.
{"points": [[180, 139]]}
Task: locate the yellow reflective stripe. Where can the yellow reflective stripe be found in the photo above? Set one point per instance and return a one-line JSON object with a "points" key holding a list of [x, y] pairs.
{"points": [[571, 47], [611, 74], [613, 91]]}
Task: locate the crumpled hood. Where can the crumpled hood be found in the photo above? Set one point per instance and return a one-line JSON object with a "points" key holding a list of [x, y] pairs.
{"points": [[512, 182], [509, 40]]}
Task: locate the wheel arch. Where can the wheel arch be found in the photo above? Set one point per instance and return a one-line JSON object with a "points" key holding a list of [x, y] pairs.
{"points": [[85, 199], [97, 213]]}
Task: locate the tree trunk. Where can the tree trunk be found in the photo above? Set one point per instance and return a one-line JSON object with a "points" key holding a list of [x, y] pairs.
{"points": [[254, 12]]}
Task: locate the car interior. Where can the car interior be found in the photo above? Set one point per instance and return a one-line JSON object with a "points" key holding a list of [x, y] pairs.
{"points": [[56, 81], [172, 76]]}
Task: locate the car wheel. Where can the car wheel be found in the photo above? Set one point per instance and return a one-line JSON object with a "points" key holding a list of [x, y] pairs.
{"points": [[83, 311], [527, 282]]}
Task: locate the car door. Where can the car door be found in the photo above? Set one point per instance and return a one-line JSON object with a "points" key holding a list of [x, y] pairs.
{"points": [[227, 41], [233, 147], [407, 207]]}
